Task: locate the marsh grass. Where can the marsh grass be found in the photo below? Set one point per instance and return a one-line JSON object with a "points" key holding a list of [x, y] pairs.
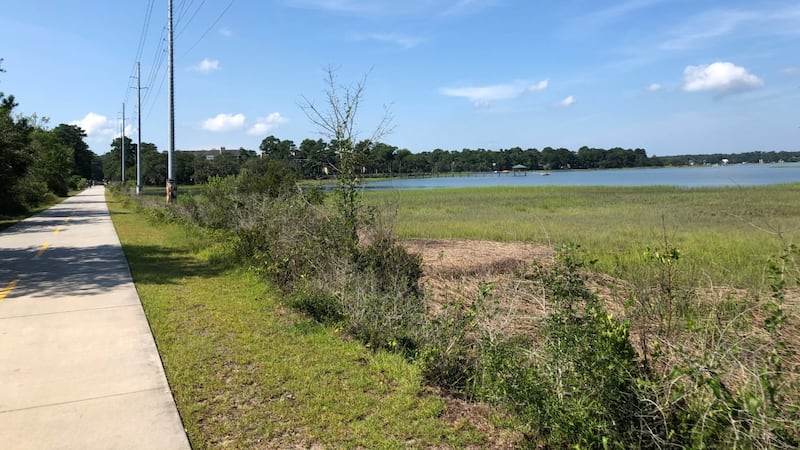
{"points": [[248, 373], [726, 234]]}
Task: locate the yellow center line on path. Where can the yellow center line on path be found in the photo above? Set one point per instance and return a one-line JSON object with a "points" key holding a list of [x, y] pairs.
{"points": [[42, 249], [7, 290], [58, 228]]}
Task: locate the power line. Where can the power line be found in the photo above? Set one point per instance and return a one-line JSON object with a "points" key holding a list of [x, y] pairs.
{"points": [[158, 94], [213, 24], [145, 27], [142, 40], [158, 61], [181, 10], [199, 7]]}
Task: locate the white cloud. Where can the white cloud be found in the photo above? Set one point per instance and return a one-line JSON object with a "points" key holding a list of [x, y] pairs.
{"points": [[791, 71], [95, 124], [392, 38], [604, 17], [225, 122], [706, 26], [206, 65], [225, 32], [721, 77], [718, 23], [382, 8], [100, 131], [264, 125], [468, 6], [654, 87], [568, 101], [484, 95]]}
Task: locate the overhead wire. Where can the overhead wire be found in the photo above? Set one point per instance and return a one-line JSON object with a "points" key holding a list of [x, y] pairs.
{"points": [[159, 57], [185, 14], [140, 47], [145, 27], [191, 18], [210, 27]]}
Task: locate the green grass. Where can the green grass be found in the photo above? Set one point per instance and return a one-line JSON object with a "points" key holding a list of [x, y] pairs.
{"points": [[725, 233], [248, 373]]}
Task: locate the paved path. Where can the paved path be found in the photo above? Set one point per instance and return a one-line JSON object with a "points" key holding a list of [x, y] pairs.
{"points": [[78, 365]]}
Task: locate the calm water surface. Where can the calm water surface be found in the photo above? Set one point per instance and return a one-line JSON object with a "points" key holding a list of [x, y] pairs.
{"points": [[706, 176]]}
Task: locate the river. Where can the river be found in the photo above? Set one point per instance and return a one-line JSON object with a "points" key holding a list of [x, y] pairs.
{"points": [[702, 176]]}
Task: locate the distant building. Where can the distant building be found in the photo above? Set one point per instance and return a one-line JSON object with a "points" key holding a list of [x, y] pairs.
{"points": [[211, 154]]}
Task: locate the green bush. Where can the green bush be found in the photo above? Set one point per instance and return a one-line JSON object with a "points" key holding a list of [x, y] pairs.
{"points": [[576, 382], [322, 305], [77, 183], [267, 177], [30, 192], [450, 351], [394, 268]]}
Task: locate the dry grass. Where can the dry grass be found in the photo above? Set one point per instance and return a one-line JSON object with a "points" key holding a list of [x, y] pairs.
{"points": [[454, 270]]}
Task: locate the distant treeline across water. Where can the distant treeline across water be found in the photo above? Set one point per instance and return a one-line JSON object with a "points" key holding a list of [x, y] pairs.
{"points": [[480, 160], [317, 159]]}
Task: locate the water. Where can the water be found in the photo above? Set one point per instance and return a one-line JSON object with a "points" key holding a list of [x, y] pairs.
{"points": [[705, 176]]}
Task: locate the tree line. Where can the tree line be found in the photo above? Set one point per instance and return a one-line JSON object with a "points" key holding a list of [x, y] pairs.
{"points": [[37, 162], [755, 157], [318, 159]]}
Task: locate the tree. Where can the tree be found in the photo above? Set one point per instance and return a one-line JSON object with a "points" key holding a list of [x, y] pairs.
{"points": [[53, 161], [382, 157], [274, 148], [154, 165], [15, 156], [185, 168], [224, 165], [317, 155], [112, 162], [337, 121], [71, 136], [15, 159], [400, 158]]}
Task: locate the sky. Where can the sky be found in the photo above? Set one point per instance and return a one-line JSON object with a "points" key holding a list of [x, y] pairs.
{"points": [[670, 76]]}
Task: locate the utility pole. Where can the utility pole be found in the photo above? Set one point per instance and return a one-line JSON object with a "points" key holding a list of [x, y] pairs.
{"points": [[122, 143], [139, 129], [172, 188]]}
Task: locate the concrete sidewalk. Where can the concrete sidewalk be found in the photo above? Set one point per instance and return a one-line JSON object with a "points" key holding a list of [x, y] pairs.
{"points": [[78, 364]]}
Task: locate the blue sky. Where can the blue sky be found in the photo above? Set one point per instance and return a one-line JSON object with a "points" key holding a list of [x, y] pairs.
{"points": [[669, 76]]}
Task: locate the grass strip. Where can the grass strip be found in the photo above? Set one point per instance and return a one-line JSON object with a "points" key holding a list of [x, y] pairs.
{"points": [[248, 373]]}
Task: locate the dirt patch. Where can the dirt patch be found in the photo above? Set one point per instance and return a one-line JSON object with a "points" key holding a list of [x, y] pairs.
{"points": [[453, 270]]}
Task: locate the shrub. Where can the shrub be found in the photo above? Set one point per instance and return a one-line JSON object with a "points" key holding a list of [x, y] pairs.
{"points": [[30, 193], [717, 375], [450, 353], [322, 305], [78, 183], [394, 268], [576, 382]]}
